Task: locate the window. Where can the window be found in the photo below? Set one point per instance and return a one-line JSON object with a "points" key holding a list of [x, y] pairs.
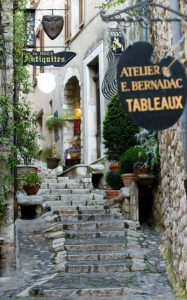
{"points": [[74, 18]]}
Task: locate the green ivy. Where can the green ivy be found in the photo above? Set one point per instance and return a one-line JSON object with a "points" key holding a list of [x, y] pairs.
{"points": [[18, 132]]}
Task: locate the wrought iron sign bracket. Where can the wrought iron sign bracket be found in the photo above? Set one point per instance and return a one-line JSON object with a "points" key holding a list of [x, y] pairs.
{"points": [[143, 14]]}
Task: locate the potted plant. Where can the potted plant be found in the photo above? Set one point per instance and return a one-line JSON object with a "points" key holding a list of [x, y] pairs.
{"points": [[54, 122], [31, 182], [118, 131], [115, 183], [128, 161], [149, 142], [53, 161]]}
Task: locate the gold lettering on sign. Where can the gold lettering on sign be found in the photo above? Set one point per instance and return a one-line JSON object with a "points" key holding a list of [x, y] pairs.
{"points": [[140, 71], [154, 104]]}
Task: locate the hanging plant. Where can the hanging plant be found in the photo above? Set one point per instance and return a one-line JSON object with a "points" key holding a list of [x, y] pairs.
{"points": [[54, 122]]}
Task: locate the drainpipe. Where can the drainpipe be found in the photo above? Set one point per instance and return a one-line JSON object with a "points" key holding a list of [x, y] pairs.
{"points": [[174, 4]]}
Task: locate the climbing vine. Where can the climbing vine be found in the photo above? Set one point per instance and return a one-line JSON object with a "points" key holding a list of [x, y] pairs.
{"points": [[18, 130]]}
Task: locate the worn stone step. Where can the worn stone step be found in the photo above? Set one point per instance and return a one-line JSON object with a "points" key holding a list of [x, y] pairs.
{"points": [[89, 210], [90, 233], [49, 180], [92, 217], [94, 225], [97, 246], [105, 255], [95, 266], [77, 297], [102, 286]]}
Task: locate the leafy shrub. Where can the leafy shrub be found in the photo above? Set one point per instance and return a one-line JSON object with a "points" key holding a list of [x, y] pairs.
{"points": [[47, 152], [149, 141], [118, 130], [54, 122], [130, 157], [114, 180]]}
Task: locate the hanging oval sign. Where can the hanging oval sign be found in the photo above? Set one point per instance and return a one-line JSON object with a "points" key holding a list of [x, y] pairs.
{"points": [[153, 95]]}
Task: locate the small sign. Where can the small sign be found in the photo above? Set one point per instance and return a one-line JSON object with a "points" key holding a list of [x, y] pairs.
{"points": [[153, 95], [47, 58], [52, 25], [30, 37], [117, 41]]}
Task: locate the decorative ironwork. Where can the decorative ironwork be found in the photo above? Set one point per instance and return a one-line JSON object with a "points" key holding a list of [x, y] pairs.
{"points": [[143, 14], [116, 48], [109, 85]]}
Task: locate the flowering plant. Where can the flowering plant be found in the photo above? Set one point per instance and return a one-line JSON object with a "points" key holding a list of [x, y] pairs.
{"points": [[32, 178]]}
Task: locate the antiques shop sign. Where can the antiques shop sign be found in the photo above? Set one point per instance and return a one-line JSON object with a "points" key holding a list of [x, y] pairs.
{"points": [[153, 95], [47, 58]]}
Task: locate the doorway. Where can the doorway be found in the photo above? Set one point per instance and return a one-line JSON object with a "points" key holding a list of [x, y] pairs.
{"points": [[72, 129]]}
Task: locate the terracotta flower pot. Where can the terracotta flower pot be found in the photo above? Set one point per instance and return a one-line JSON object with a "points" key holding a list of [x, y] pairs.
{"points": [[113, 166], [31, 189], [112, 194], [144, 170], [127, 178]]}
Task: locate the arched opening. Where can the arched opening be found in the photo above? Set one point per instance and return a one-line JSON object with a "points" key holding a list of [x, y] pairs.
{"points": [[72, 129]]}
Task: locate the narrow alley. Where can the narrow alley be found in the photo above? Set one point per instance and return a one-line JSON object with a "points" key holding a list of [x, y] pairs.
{"points": [[80, 249]]}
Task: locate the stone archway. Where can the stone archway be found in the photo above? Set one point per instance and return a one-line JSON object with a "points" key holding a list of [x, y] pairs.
{"points": [[72, 129]]}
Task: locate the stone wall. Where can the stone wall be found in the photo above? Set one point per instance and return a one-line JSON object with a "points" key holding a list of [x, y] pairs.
{"points": [[170, 205], [7, 251]]}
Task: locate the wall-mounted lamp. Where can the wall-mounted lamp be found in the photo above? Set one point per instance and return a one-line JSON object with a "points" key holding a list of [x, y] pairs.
{"points": [[46, 82]]}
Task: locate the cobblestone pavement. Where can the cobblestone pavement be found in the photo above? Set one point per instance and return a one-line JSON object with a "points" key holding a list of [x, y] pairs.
{"points": [[37, 271]]}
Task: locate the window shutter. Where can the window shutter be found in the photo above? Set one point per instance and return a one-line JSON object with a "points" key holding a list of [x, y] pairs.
{"points": [[81, 13], [67, 21]]}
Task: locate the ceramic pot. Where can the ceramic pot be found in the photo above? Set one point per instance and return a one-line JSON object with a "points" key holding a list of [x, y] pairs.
{"points": [[31, 189]]}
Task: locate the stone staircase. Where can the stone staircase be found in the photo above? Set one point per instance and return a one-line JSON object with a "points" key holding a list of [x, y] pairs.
{"points": [[96, 253]]}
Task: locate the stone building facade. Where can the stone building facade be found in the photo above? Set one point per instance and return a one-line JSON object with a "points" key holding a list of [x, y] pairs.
{"points": [[170, 205], [7, 237]]}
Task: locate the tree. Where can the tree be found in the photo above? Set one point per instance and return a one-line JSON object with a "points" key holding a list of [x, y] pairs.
{"points": [[118, 130]]}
